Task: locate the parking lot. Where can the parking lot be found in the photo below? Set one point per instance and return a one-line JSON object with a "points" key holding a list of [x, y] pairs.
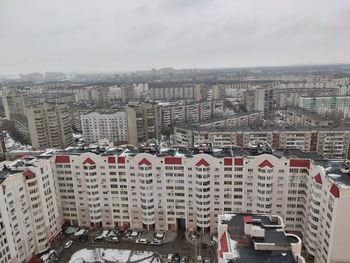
{"points": [[171, 243]]}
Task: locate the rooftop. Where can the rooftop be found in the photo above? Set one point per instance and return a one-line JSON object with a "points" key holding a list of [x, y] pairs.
{"points": [[243, 245]]}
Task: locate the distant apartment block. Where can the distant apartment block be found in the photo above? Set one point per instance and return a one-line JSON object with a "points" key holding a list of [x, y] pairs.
{"points": [[260, 99], [326, 104], [143, 122], [243, 119], [295, 116], [334, 143], [105, 125], [168, 91], [15, 103], [50, 126], [190, 113]]}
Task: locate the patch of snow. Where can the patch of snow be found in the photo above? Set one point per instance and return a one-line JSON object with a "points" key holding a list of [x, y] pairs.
{"points": [[228, 217], [100, 255], [334, 175], [234, 250]]}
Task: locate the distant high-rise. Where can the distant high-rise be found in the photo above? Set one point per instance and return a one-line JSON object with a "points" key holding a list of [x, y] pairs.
{"points": [[143, 123], [105, 125], [260, 99], [50, 126], [15, 103]]}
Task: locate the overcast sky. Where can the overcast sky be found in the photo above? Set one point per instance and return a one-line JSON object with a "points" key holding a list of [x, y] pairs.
{"points": [[113, 35]]}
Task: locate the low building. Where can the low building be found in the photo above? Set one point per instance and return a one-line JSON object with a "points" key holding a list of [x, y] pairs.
{"points": [[256, 239]]}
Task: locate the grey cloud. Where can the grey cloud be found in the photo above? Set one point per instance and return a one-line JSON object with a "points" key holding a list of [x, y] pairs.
{"points": [[87, 35]]}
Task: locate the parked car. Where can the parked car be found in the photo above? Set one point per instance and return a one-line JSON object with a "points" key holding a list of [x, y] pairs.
{"points": [[114, 240], [170, 258], [98, 238], [183, 259], [141, 241], [68, 244], [156, 242], [176, 258]]}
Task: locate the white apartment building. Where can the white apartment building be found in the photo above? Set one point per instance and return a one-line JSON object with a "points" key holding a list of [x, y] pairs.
{"points": [[326, 104], [112, 126], [191, 113], [164, 193], [29, 208], [168, 192], [334, 143]]}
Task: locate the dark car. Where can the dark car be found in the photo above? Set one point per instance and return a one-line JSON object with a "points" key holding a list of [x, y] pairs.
{"points": [[176, 258]]}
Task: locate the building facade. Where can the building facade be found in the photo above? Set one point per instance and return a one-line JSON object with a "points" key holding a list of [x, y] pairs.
{"points": [[50, 125]]}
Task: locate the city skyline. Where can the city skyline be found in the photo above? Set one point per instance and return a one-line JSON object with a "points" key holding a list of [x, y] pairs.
{"points": [[118, 37]]}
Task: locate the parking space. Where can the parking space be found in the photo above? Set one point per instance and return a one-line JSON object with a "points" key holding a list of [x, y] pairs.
{"points": [[161, 244]]}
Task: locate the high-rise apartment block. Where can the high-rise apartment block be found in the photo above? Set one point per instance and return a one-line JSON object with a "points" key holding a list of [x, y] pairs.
{"points": [[50, 126], [105, 125], [260, 99], [173, 190], [30, 221], [143, 122], [15, 103]]}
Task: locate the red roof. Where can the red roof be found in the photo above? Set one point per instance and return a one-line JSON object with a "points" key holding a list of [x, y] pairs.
{"points": [[121, 159], [223, 244], [62, 159], [28, 173], [335, 191], [318, 178], [228, 161], [88, 161], [145, 161], [173, 160], [248, 219], [265, 163], [111, 159], [299, 163], [238, 161], [202, 162]]}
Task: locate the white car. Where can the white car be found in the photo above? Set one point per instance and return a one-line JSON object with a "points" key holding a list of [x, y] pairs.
{"points": [[141, 241], [68, 244], [170, 258]]}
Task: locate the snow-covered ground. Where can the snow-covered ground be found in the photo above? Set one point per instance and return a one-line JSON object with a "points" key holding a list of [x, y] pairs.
{"points": [[102, 255]]}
